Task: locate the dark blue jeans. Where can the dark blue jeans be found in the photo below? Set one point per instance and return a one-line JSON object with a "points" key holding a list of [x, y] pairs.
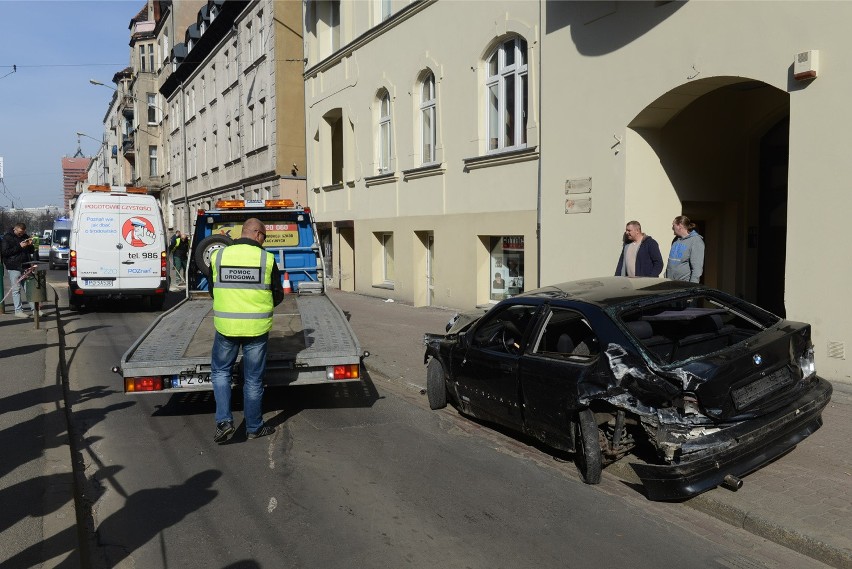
{"points": [[225, 351]]}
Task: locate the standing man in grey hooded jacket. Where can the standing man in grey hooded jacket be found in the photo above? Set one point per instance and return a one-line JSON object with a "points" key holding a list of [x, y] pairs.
{"points": [[686, 258]]}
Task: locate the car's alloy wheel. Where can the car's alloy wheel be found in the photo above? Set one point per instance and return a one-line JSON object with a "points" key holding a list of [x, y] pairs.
{"points": [[588, 448], [436, 388]]}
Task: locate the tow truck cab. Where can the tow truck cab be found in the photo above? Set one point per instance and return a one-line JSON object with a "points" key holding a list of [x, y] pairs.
{"points": [[290, 237]]}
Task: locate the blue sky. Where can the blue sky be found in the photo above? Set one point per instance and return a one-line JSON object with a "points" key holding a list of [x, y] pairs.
{"points": [[58, 46]]}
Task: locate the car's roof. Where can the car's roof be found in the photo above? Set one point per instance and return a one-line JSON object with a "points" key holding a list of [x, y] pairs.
{"points": [[610, 291]]}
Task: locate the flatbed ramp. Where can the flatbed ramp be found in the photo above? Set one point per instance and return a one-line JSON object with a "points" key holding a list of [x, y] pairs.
{"points": [[307, 330]]}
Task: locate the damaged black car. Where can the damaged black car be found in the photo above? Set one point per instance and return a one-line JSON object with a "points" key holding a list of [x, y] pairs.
{"points": [[716, 386]]}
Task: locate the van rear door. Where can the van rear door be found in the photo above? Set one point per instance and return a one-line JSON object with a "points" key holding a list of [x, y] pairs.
{"points": [[97, 241], [141, 243]]}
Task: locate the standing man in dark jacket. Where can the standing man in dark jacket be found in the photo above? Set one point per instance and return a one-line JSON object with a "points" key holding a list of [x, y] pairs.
{"points": [[640, 256], [246, 286], [17, 249]]}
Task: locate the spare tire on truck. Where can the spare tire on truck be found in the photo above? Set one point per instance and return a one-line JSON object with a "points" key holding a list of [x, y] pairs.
{"points": [[206, 248]]}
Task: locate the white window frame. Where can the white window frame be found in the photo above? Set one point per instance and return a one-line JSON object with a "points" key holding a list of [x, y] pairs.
{"points": [[263, 122], [152, 109], [152, 161], [384, 135], [510, 68], [428, 118]]}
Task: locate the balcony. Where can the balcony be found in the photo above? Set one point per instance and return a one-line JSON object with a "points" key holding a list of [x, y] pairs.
{"points": [[127, 145]]}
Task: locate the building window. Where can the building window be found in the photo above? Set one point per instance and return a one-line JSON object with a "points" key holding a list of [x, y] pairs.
{"points": [[261, 47], [203, 91], [384, 133], [230, 146], [386, 9], [152, 160], [388, 270], [151, 66], [213, 81], [262, 122], [428, 118], [506, 93], [252, 134], [227, 67], [142, 58], [192, 102], [215, 160], [506, 277], [250, 40], [152, 108]]}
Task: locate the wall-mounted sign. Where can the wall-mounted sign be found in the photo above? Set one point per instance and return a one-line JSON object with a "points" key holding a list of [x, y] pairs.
{"points": [[581, 205], [578, 186]]}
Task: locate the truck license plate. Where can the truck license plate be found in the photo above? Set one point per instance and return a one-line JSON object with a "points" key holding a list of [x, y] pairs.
{"points": [[193, 379], [104, 283]]}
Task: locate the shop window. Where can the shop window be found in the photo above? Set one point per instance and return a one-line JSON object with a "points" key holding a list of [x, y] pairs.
{"points": [[506, 277]]}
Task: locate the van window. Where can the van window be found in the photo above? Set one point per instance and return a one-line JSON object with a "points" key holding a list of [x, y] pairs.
{"points": [[61, 236]]}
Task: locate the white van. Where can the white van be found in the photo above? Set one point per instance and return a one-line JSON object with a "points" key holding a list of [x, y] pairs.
{"points": [[118, 247]]}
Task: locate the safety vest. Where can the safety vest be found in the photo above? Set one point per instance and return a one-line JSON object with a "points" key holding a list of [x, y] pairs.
{"points": [[242, 297]]}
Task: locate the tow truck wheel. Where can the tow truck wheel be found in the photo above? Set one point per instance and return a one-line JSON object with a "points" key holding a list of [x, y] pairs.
{"points": [[206, 248], [436, 387], [587, 452]]}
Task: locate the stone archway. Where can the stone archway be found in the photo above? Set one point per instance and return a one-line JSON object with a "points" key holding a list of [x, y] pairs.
{"points": [[716, 150]]}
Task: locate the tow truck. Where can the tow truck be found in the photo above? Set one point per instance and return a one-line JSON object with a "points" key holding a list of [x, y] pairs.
{"points": [[311, 341]]}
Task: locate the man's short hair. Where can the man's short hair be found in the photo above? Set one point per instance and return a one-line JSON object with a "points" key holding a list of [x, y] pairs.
{"points": [[636, 223], [21, 226]]}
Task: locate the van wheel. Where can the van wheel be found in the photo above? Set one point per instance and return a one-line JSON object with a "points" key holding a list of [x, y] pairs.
{"points": [[205, 250]]}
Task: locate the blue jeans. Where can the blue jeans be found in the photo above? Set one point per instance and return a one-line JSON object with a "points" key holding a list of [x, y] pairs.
{"points": [[225, 349], [14, 275]]}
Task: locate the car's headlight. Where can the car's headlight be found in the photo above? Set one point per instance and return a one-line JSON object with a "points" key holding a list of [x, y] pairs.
{"points": [[807, 363]]}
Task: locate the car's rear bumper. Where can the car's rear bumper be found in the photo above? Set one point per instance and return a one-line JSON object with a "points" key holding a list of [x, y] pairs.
{"points": [[743, 448]]}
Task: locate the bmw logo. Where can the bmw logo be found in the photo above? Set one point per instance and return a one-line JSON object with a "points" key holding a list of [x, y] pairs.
{"points": [[757, 359]]}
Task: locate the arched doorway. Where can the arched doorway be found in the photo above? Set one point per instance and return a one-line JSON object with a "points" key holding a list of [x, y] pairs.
{"points": [[716, 151]]}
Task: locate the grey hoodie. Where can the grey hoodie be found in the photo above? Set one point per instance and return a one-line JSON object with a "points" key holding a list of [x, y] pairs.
{"points": [[686, 258]]}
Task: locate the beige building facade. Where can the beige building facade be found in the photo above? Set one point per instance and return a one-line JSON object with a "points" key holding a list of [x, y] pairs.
{"points": [[660, 109], [425, 188], [590, 115]]}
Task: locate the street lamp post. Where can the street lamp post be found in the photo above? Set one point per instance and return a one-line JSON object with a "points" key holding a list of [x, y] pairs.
{"points": [[103, 144]]}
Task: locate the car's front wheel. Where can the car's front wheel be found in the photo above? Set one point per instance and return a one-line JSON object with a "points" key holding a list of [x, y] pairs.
{"points": [[436, 388], [588, 448]]}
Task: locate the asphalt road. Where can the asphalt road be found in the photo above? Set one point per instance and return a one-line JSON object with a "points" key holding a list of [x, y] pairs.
{"points": [[356, 475]]}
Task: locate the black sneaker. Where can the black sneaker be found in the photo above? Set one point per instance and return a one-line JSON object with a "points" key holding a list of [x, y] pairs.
{"points": [[261, 432], [224, 430]]}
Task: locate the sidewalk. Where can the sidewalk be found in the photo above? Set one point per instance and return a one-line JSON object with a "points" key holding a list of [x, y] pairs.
{"points": [[802, 501], [38, 524]]}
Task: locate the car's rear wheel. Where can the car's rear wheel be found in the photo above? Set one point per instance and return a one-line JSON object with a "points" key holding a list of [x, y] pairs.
{"points": [[206, 248], [436, 387], [588, 448]]}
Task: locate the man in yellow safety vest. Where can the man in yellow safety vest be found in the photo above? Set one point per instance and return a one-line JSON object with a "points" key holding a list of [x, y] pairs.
{"points": [[245, 285]]}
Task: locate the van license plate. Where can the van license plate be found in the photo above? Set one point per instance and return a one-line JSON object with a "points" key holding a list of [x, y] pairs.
{"points": [[106, 283]]}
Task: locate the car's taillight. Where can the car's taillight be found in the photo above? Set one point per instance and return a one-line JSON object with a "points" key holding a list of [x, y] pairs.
{"points": [[163, 264], [807, 363], [144, 383], [72, 263], [348, 371]]}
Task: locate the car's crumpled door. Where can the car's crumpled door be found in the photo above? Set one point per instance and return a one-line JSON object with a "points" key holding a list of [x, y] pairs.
{"points": [[561, 364], [486, 370]]}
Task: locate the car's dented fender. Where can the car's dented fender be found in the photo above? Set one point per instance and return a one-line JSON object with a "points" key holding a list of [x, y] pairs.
{"points": [[632, 374]]}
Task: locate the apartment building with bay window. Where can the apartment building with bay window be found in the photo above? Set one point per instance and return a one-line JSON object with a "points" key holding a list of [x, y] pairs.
{"points": [[234, 107], [423, 147]]}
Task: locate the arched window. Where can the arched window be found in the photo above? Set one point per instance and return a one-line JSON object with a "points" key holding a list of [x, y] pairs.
{"points": [[384, 133], [428, 118], [506, 95]]}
